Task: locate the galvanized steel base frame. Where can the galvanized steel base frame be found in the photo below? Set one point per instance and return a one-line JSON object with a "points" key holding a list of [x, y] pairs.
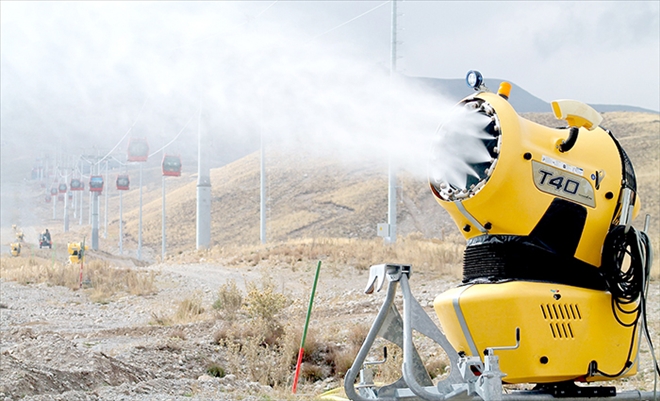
{"points": [[415, 383]]}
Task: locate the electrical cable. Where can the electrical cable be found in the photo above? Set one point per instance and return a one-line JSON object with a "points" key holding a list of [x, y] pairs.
{"points": [[349, 21], [177, 135], [628, 284], [125, 135]]}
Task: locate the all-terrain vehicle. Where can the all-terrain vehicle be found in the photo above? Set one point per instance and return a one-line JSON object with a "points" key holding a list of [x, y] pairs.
{"points": [[45, 241]]}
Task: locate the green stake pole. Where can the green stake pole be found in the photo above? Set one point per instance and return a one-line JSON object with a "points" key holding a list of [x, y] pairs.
{"points": [[302, 342]]}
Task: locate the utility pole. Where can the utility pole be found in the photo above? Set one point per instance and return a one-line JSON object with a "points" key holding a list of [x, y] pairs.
{"points": [[139, 249], [391, 170], [66, 202], [164, 229], [203, 191], [105, 212], [262, 164]]}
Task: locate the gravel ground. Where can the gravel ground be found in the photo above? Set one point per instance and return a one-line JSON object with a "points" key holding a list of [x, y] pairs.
{"points": [[56, 344]]}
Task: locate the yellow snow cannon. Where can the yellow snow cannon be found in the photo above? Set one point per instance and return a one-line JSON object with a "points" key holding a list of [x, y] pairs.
{"points": [[554, 275], [15, 248]]}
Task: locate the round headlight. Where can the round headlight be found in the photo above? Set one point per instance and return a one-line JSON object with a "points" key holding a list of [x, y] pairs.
{"points": [[474, 79]]}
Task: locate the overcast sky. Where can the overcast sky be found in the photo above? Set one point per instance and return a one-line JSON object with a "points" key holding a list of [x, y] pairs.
{"points": [[98, 67]]}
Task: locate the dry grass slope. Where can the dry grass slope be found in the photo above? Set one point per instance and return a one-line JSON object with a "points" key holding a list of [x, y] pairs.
{"points": [[321, 198]]}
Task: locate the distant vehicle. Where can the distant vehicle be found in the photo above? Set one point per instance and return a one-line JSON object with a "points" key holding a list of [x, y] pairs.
{"points": [[45, 240]]}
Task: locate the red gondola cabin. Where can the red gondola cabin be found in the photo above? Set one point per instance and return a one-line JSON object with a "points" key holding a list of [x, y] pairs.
{"points": [[62, 188], [48, 198], [54, 191], [96, 183], [138, 150], [171, 166], [123, 183], [76, 185]]}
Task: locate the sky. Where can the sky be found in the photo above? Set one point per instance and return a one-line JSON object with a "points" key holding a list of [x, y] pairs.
{"points": [[88, 75]]}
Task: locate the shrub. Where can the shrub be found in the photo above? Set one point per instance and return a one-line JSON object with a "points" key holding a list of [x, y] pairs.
{"points": [[230, 300]]}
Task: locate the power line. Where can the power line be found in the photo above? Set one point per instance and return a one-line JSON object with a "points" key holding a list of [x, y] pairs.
{"points": [[349, 21], [125, 135], [177, 135]]}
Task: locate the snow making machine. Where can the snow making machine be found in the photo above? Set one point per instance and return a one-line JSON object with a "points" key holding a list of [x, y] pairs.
{"points": [[555, 276]]}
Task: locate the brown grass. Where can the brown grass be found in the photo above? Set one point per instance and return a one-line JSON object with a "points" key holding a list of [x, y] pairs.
{"points": [[100, 279], [189, 310], [442, 257]]}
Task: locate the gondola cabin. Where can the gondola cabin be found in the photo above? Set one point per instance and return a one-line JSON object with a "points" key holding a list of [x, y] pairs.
{"points": [[123, 183], [54, 191], [96, 183], [48, 198], [76, 185], [69, 195], [171, 166], [60, 197], [62, 188], [138, 150]]}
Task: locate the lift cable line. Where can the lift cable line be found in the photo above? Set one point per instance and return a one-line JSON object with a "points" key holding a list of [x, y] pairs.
{"points": [[125, 135], [175, 138], [265, 9], [349, 21]]}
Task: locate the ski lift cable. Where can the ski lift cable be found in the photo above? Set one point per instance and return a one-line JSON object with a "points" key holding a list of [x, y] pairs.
{"points": [[265, 9], [349, 21], [177, 135], [125, 135]]}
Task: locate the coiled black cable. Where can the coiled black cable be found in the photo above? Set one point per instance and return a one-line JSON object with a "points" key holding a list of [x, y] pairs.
{"points": [[628, 282]]}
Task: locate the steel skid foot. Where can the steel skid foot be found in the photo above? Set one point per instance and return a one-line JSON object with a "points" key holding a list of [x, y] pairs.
{"points": [[470, 378], [415, 383]]}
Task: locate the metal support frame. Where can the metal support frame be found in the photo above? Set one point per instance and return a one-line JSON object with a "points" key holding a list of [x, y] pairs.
{"points": [[415, 384]]}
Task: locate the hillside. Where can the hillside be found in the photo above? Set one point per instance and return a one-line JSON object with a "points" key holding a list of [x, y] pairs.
{"points": [[312, 198]]}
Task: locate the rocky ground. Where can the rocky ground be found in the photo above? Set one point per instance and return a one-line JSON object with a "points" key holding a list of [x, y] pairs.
{"points": [[56, 344]]}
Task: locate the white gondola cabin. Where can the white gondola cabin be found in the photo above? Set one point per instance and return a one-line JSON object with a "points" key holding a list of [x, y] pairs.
{"points": [[138, 150], [76, 185], [96, 183], [123, 183], [171, 166]]}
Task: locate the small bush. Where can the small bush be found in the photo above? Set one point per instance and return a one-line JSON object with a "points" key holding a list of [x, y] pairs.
{"points": [[215, 370], [189, 309], [264, 302], [230, 300]]}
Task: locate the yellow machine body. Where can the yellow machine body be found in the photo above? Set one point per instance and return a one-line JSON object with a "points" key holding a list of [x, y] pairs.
{"points": [[536, 210], [15, 248], [74, 249], [563, 329], [516, 196]]}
